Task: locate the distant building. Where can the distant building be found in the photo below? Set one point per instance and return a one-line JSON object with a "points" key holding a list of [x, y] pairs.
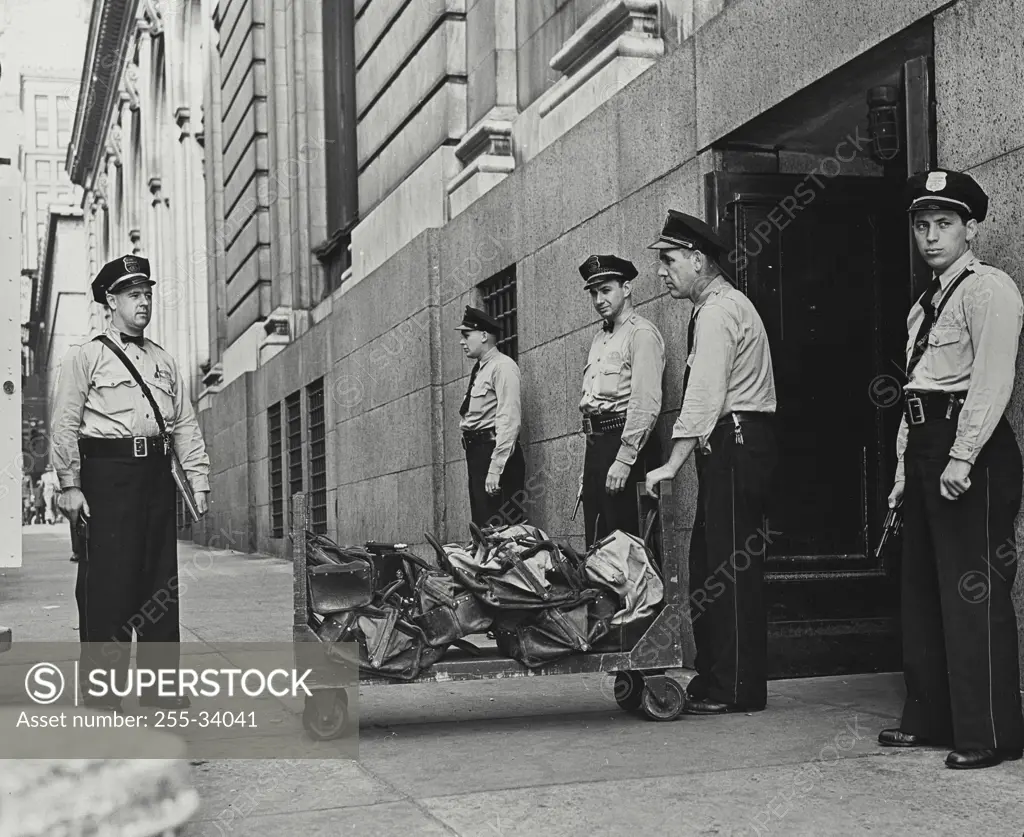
{"points": [[48, 112], [42, 44]]}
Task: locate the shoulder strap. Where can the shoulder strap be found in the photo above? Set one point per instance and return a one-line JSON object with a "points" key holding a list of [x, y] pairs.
{"points": [[956, 282], [110, 344]]}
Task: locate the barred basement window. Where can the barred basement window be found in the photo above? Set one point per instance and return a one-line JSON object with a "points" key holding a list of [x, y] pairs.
{"points": [[317, 457], [293, 408], [499, 300], [276, 472]]}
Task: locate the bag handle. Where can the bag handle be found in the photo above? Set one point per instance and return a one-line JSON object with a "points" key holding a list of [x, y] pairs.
{"points": [[442, 556]]}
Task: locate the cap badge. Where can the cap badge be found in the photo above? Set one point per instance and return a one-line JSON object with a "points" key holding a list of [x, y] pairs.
{"points": [[936, 181], [132, 264], [592, 264]]}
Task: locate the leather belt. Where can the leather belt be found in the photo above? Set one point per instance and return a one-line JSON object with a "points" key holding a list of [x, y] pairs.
{"points": [[919, 407], [131, 447], [470, 437], [727, 419], [598, 423]]}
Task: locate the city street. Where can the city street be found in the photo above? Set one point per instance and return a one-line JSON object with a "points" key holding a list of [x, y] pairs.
{"points": [[545, 756]]}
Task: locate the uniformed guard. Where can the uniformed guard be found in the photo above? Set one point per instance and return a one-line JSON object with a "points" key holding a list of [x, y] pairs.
{"points": [[959, 481], [114, 467], [490, 424], [621, 400], [727, 416]]}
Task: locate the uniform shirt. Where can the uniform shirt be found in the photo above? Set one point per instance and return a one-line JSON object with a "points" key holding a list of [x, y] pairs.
{"points": [[494, 403], [623, 373], [730, 365], [972, 347], [98, 397]]}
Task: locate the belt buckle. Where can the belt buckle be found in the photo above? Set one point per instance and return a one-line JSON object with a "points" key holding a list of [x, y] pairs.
{"points": [[915, 410], [141, 446], [588, 426]]}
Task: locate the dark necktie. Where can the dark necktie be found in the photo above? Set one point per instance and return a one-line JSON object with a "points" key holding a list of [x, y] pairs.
{"points": [[127, 338], [465, 401], [921, 340], [690, 334]]}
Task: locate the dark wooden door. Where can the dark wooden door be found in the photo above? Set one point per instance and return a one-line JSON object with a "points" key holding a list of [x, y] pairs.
{"points": [[825, 263]]}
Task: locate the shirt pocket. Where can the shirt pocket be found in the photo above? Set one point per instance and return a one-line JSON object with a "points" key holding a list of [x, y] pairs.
{"points": [[612, 376], [115, 396], [947, 354], [163, 394]]}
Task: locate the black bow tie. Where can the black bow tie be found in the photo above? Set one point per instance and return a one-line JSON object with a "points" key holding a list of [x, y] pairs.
{"points": [[127, 338]]}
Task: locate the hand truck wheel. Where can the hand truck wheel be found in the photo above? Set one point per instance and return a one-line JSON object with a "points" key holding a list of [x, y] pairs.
{"points": [[628, 690], [325, 715], [664, 707]]}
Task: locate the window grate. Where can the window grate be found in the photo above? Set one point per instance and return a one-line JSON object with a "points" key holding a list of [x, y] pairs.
{"points": [[499, 300], [317, 457], [276, 472], [293, 411]]}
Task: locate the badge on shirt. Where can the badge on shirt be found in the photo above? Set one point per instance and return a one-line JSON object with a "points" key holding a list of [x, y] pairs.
{"points": [[165, 376]]}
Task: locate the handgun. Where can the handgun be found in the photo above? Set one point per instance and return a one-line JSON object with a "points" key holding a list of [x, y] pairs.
{"points": [[579, 500], [890, 529]]}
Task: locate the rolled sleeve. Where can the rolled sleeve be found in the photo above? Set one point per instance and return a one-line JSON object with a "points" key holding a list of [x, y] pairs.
{"points": [[647, 366], [716, 336], [994, 313], [507, 416], [188, 439], [66, 418]]}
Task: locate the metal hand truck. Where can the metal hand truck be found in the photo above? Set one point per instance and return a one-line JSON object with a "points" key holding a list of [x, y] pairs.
{"points": [[641, 684]]}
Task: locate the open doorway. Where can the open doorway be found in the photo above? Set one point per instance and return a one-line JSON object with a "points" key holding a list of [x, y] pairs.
{"points": [[810, 193]]}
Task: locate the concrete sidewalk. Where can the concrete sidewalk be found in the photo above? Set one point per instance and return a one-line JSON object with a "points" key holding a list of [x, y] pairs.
{"points": [[547, 755]]}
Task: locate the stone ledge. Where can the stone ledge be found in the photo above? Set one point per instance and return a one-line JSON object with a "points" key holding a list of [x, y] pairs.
{"points": [[486, 153], [619, 29]]}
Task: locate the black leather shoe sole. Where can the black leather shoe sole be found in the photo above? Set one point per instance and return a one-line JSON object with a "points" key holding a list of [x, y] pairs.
{"points": [[705, 707]]}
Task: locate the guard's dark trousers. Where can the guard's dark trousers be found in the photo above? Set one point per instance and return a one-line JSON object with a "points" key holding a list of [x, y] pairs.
{"points": [[603, 512], [128, 571], [959, 561], [727, 549], [508, 506]]}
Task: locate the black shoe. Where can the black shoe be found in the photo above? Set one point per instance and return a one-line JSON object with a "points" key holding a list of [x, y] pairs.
{"points": [[898, 738], [710, 707], [970, 759], [166, 702], [73, 559]]}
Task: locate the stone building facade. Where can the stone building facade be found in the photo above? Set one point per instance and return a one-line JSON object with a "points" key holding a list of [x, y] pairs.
{"points": [[374, 167], [137, 152]]}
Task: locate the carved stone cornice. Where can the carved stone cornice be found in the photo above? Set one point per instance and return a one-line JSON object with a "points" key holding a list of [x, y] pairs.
{"points": [[153, 14], [111, 28], [130, 82], [621, 29]]}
